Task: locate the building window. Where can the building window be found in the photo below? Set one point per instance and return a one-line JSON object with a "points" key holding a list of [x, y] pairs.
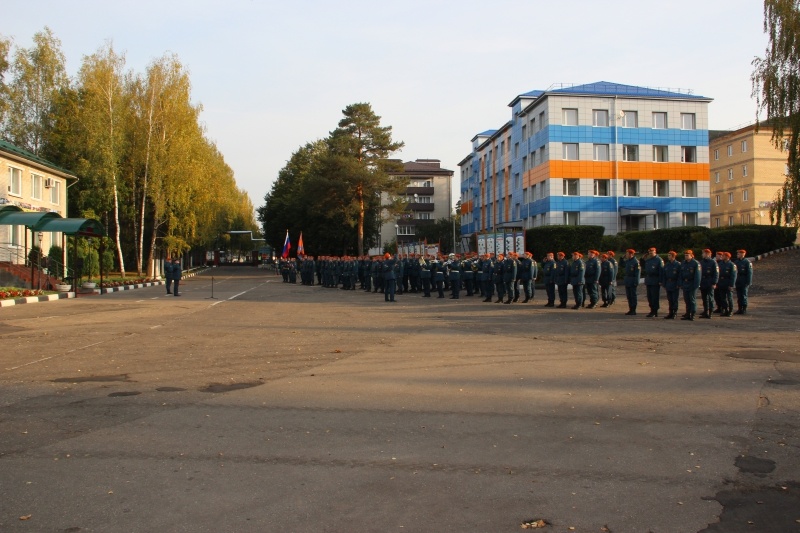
{"points": [[730, 174], [14, 235], [716, 200], [516, 181], [730, 220], [748, 218], [541, 121], [569, 117], [744, 171], [716, 222], [660, 188], [730, 197], [660, 154], [659, 120], [36, 186], [630, 188], [716, 177], [423, 200], [570, 151], [662, 220], [600, 118], [602, 187], [525, 163], [423, 216], [630, 119], [421, 183], [687, 121], [745, 195], [600, 152], [516, 150], [688, 154], [572, 218], [525, 132], [405, 230], [571, 187], [690, 219], [716, 154], [525, 197], [630, 152], [533, 193], [15, 181], [744, 146], [730, 150], [689, 189]]}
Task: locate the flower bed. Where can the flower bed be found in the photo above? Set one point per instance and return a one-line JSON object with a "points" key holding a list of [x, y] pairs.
{"points": [[11, 292], [121, 283]]}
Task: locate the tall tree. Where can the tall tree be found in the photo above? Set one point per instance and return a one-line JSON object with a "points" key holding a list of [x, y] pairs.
{"points": [[358, 167], [5, 49], [776, 86], [39, 77], [104, 114]]}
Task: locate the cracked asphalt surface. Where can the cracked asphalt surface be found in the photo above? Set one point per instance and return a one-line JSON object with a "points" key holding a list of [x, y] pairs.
{"points": [[279, 407]]}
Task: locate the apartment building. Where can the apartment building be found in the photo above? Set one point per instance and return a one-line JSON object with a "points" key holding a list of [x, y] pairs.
{"points": [[747, 170], [428, 197], [624, 157], [35, 185]]}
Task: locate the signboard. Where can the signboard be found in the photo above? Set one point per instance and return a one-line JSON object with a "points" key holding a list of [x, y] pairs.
{"points": [[481, 244], [519, 237], [499, 243]]}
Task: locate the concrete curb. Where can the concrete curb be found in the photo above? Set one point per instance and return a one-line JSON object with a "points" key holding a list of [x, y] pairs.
{"points": [[65, 295], [773, 252], [37, 299]]}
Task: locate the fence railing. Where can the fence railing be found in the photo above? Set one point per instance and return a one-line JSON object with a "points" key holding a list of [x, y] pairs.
{"points": [[40, 271]]}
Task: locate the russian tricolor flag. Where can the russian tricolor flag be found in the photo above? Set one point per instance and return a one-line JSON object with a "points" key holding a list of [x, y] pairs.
{"points": [[287, 245]]}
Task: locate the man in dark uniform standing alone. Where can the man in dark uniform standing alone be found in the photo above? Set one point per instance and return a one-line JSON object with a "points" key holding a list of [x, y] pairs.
{"points": [[176, 276]]}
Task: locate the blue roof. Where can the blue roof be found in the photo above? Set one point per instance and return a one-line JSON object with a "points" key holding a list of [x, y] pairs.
{"points": [[607, 88]]}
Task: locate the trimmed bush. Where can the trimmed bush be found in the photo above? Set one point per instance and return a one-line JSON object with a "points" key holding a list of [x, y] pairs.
{"points": [[756, 239], [54, 261], [567, 239]]}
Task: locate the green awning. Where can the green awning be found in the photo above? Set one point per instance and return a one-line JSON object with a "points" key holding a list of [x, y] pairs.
{"points": [[26, 218], [85, 227]]}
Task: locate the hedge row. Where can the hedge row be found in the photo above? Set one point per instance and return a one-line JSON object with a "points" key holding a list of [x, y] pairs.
{"points": [[756, 239]]}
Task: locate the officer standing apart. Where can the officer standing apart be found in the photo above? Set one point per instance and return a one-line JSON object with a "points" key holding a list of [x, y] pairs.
{"points": [[389, 277], [672, 283], [691, 273], [632, 274], [168, 274], [743, 280], [176, 276], [708, 282], [653, 271]]}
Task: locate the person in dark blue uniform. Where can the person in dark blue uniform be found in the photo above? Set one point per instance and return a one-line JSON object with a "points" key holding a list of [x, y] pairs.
{"points": [[577, 277], [632, 274], [497, 278], [691, 274], [727, 282], [743, 280], [562, 279], [672, 283], [168, 274], [389, 277], [177, 272], [612, 291], [592, 278], [653, 278], [509, 276], [527, 275], [549, 279], [425, 276], [708, 282]]}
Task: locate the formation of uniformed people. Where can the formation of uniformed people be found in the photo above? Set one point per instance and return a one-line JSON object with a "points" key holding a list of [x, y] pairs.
{"points": [[509, 277]]}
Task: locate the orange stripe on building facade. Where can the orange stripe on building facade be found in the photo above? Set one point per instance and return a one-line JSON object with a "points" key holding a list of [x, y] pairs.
{"points": [[624, 170]]}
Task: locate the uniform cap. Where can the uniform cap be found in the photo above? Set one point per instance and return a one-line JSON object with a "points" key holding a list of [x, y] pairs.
{"points": [[706, 251], [672, 253], [611, 253], [651, 250], [630, 251], [727, 254], [387, 255], [560, 254], [743, 252], [689, 252], [604, 256]]}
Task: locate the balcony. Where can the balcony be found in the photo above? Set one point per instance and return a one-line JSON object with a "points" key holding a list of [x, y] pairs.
{"points": [[413, 206], [422, 191]]}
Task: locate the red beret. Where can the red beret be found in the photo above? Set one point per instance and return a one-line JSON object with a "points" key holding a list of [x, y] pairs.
{"points": [[560, 254], [706, 251], [727, 254], [689, 252], [741, 252], [651, 249], [631, 251], [672, 253], [611, 253]]}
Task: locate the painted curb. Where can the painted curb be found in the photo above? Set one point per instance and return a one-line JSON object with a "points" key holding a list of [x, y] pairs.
{"points": [[773, 252], [37, 299]]}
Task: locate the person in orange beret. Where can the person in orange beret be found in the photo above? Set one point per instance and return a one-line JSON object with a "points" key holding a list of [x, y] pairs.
{"points": [[562, 279], [708, 282], [632, 274], [691, 274], [672, 282], [744, 279], [726, 284]]}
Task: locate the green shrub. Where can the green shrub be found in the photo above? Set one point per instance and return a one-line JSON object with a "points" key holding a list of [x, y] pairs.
{"points": [[567, 239], [108, 261], [54, 261]]}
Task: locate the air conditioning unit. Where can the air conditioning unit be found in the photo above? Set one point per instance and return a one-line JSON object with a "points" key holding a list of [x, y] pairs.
{"points": [[48, 182]]}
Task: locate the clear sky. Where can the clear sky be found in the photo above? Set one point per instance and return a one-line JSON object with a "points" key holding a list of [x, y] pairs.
{"points": [[273, 75]]}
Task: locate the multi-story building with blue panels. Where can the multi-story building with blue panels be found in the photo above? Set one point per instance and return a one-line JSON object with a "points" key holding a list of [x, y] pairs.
{"points": [[624, 157]]}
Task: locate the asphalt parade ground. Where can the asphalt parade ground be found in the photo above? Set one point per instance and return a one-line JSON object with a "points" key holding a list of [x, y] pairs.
{"points": [[286, 408]]}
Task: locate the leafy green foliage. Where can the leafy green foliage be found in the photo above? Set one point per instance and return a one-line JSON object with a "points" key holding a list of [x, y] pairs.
{"points": [[542, 240]]}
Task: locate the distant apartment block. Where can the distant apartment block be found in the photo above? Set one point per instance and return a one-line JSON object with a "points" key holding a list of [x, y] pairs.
{"points": [[428, 197], [624, 157], [747, 171]]}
